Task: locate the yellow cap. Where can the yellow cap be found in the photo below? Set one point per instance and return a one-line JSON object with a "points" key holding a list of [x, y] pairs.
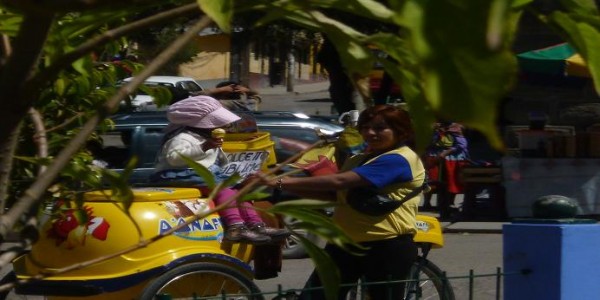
{"points": [[218, 133]]}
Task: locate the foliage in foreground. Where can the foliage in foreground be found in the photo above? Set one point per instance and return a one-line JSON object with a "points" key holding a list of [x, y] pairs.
{"points": [[452, 59]]}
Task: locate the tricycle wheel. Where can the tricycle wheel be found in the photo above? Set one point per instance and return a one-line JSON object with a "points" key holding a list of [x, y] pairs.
{"points": [[293, 249], [202, 280], [10, 294], [8, 278]]}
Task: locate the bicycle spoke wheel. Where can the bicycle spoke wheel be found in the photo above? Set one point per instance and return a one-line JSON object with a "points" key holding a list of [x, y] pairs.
{"points": [[202, 281], [427, 283], [292, 248], [11, 294]]}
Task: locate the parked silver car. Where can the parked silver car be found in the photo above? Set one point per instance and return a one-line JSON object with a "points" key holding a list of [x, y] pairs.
{"points": [[179, 86]]}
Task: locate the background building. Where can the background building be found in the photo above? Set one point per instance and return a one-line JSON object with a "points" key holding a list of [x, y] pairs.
{"points": [[227, 57]]}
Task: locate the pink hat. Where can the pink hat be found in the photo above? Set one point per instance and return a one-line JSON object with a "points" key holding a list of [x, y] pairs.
{"points": [[200, 112]]}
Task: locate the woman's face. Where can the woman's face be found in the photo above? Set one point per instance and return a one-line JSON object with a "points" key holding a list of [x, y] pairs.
{"points": [[379, 135]]}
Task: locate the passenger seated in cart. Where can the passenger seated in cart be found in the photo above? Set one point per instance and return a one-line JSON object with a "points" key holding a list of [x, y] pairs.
{"points": [[191, 122]]}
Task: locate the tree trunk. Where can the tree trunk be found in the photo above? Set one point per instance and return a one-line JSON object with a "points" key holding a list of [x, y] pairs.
{"points": [[341, 89], [290, 71]]}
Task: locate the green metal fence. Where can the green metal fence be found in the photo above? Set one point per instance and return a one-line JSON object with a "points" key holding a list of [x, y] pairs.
{"points": [[471, 286]]}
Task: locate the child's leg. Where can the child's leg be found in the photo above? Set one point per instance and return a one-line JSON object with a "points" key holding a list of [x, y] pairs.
{"points": [[249, 214], [236, 229], [230, 215], [256, 224]]}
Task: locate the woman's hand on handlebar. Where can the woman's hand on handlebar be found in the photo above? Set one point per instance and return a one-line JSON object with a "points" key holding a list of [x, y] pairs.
{"points": [[260, 178]]}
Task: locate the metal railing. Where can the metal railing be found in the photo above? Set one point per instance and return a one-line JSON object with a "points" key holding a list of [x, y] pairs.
{"points": [[471, 286]]}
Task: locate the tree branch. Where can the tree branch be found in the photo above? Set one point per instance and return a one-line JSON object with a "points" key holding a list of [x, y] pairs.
{"points": [[92, 44], [5, 49], [8, 149], [35, 191], [18, 68], [57, 6], [39, 136], [7, 152]]}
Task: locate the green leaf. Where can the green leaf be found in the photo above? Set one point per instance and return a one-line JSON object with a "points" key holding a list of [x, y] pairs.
{"points": [[456, 69], [130, 166], [310, 216], [582, 7], [404, 69], [583, 35], [371, 9], [60, 86], [284, 206], [201, 170], [83, 65], [519, 4], [81, 216], [220, 11], [120, 188], [325, 267], [83, 86], [496, 20], [161, 96], [256, 194], [231, 180], [349, 43], [10, 23]]}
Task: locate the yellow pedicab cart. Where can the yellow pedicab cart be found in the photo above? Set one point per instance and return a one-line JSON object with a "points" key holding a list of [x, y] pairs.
{"points": [[191, 263]]}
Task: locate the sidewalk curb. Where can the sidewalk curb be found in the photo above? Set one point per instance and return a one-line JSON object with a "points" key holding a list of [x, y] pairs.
{"points": [[472, 227], [471, 230], [301, 88]]}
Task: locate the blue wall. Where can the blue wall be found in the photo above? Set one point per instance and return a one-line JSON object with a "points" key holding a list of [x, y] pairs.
{"points": [[564, 260]]}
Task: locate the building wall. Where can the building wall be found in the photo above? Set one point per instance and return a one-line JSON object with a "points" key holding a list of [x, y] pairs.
{"points": [[213, 62], [212, 65]]}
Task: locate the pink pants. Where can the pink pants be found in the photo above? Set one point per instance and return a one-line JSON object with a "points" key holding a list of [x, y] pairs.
{"points": [[236, 213]]}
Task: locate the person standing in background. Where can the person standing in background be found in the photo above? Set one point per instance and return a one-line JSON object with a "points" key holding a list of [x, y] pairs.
{"points": [[445, 156], [236, 96]]}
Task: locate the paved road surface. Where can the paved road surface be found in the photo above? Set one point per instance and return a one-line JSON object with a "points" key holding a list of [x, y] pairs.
{"points": [[462, 252], [307, 98]]}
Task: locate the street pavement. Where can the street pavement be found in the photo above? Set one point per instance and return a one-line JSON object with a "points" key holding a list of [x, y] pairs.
{"points": [[309, 98], [313, 99]]}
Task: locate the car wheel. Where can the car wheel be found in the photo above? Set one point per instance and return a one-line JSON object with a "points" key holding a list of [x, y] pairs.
{"points": [[292, 248]]}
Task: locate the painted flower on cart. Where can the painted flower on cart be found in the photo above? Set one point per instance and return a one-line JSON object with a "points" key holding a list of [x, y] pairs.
{"points": [[73, 225]]}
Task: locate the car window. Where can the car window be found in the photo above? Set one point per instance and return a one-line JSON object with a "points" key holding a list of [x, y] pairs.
{"points": [[144, 140], [189, 86], [305, 135], [159, 83], [148, 146], [290, 140], [139, 91], [115, 149]]}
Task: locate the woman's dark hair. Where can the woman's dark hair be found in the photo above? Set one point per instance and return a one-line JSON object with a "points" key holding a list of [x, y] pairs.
{"points": [[396, 118], [226, 83]]}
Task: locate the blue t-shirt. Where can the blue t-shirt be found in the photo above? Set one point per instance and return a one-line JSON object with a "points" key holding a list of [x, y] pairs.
{"points": [[385, 170]]}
